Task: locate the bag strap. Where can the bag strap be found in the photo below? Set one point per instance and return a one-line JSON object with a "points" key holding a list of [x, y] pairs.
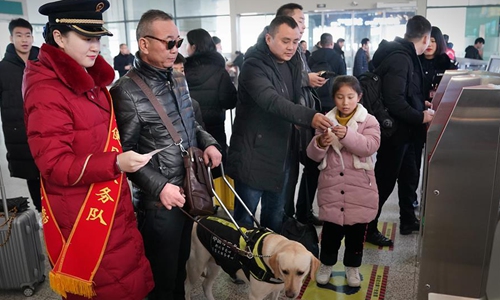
{"points": [[158, 107]]}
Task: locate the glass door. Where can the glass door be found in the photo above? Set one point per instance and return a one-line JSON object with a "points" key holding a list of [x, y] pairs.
{"points": [[353, 26]]}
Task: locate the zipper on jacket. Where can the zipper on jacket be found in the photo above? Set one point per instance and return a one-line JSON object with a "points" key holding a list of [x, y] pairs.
{"points": [[178, 104], [368, 177]]}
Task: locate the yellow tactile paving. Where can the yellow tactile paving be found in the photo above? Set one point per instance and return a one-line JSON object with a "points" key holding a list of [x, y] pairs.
{"points": [[373, 285]]}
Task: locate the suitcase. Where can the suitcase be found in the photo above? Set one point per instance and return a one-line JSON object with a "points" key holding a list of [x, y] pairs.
{"points": [[22, 262]]}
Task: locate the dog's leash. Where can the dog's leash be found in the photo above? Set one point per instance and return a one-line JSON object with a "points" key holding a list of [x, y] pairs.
{"points": [[247, 253]]}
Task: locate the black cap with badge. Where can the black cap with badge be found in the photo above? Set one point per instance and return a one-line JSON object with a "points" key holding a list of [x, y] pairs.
{"points": [[83, 16]]}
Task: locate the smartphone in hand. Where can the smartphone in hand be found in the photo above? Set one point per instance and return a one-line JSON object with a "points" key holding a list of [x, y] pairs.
{"points": [[327, 74]]}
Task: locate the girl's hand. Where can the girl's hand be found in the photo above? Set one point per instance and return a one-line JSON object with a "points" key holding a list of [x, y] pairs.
{"points": [[326, 139], [340, 131]]}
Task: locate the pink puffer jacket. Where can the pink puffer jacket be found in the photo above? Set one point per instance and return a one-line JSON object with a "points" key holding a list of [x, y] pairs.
{"points": [[347, 190]]}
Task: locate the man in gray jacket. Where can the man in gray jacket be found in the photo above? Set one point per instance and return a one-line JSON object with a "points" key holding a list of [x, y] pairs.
{"points": [[268, 107]]}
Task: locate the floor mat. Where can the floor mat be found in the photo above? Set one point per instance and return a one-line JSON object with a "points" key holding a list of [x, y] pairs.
{"points": [[373, 285], [389, 231]]}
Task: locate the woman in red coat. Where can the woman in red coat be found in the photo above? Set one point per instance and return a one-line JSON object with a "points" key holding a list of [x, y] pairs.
{"points": [[89, 225]]}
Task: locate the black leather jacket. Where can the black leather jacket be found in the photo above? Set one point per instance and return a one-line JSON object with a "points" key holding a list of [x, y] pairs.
{"points": [[142, 130]]}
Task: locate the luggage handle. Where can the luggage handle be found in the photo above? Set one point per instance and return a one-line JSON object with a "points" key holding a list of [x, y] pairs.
{"points": [[223, 206], [4, 197], [236, 196]]}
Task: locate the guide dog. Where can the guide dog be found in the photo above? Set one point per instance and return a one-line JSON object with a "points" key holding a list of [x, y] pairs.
{"points": [[283, 263]]}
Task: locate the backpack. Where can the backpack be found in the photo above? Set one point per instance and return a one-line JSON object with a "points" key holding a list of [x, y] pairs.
{"points": [[372, 100]]}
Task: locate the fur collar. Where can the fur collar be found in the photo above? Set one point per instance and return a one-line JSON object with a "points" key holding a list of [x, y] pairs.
{"points": [[78, 79], [359, 116]]}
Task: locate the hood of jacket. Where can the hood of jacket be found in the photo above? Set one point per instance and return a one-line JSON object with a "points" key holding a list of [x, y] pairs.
{"points": [[202, 66], [53, 63], [12, 56], [385, 48]]}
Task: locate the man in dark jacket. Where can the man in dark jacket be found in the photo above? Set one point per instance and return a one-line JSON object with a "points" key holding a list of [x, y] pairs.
{"points": [[327, 59], [20, 50], [302, 208], [305, 51], [402, 90], [123, 61], [158, 185], [475, 51], [338, 48], [361, 59], [268, 108]]}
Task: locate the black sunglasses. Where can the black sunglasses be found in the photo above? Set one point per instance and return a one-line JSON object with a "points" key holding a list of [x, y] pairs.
{"points": [[169, 44]]}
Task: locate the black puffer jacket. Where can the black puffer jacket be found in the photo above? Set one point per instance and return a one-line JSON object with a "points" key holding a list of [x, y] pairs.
{"points": [[21, 163], [433, 70], [264, 120], [142, 130], [472, 52], [210, 84], [402, 86]]}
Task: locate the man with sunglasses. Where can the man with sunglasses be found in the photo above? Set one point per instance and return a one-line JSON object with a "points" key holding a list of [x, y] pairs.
{"points": [[158, 195]]}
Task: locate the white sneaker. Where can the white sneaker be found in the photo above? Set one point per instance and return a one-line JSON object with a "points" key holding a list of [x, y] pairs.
{"points": [[324, 274], [352, 275]]}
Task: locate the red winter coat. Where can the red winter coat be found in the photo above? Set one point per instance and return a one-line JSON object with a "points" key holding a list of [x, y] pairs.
{"points": [[67, 119]]}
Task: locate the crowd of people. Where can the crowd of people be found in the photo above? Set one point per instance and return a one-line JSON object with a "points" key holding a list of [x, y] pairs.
{"points": [[83, 142]]}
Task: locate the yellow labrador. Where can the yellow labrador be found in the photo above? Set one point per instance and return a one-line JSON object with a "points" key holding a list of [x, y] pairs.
{"points": [[289, 263]]}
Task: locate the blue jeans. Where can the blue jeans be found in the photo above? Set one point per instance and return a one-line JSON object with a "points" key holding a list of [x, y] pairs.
{"points": [[272, 205]]}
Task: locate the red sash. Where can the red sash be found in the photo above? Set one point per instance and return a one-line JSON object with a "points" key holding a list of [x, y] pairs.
{"points": [[75, 261]]}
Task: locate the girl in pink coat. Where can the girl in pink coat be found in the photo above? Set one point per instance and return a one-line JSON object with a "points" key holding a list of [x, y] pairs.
{"points": [[347, 191]]}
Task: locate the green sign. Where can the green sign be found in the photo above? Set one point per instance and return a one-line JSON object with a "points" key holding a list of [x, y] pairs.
{"points": [[487, 17], [11, 7]]}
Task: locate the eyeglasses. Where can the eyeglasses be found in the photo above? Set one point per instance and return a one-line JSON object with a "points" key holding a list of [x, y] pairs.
{"points": [[169, 44]]}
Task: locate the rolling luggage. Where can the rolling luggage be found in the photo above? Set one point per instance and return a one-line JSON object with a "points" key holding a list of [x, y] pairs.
{"points": [[21, 256]]}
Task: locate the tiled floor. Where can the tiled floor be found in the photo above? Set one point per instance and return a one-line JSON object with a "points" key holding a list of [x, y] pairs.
{"points": [[401, 261]]}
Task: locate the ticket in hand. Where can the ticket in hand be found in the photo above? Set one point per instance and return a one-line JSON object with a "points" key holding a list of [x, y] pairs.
{"points": [[156, 151], [431, 111], [335, 122]]}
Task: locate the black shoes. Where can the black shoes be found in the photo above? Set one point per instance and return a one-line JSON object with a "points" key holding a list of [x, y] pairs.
{"points": [[378, 239], [406, 229]]}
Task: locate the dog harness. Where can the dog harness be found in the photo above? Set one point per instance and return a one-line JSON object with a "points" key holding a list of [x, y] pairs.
{"points": [[227, 258]]}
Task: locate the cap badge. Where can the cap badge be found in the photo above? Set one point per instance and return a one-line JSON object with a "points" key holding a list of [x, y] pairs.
{"points": [[99, 7]]}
